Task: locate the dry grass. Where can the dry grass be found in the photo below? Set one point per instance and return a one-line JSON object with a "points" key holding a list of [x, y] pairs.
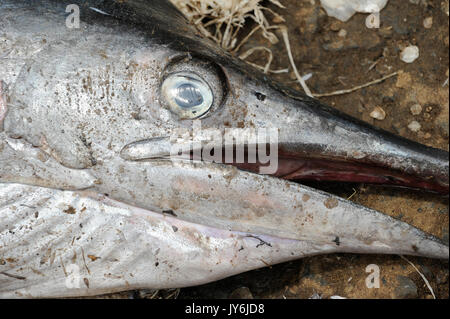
{"points": [[223, 20]]}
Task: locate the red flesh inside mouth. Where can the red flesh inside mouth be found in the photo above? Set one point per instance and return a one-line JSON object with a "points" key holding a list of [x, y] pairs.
{"points": [[303, 169], [300, 168]]}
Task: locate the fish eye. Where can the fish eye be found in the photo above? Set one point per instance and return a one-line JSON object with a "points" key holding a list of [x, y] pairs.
{"points": [[187, 95], [192, 87]]}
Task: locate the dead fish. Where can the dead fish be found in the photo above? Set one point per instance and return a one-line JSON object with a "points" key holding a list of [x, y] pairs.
{"points": [[93, 197]]}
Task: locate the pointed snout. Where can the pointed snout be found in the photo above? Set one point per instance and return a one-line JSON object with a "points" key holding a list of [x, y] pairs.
{"points": [[317, 142]]}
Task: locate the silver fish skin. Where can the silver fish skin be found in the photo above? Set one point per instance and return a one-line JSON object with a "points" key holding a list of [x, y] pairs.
{"points": [[91, 202]]}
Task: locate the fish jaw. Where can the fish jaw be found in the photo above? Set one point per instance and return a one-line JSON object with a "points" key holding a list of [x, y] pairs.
{"points": [[83, 244], [224, 197], [70, 250], [316, 142]]}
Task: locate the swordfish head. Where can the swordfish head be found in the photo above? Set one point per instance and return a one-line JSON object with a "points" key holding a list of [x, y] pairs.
{"points": [[142, 156]]}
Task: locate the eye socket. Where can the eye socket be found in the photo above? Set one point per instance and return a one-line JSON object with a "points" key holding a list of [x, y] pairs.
{"points": [[192, 87], [187, 95]]}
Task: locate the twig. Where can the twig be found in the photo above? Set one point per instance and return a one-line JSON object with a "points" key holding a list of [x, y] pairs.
{"points": [[174, 294], [421, 275], [373, 65], [284, 32], [280, 71], [356, 88], [354, 192], [249, 52], [245, 39]]}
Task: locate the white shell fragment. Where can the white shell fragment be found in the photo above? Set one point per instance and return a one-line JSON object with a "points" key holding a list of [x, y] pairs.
{"points": [[373, 21], [342, 33], [416, 109], [409, 54], [378, 113], [345, 9], [414, 126], [428, 22]]}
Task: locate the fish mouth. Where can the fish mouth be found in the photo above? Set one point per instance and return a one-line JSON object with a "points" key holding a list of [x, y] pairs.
{"points": [[296, 167], [239, 195], [289, 165]]}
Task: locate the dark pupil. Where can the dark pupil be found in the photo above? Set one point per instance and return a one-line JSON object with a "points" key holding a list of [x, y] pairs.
{"points": [[188, 95]]}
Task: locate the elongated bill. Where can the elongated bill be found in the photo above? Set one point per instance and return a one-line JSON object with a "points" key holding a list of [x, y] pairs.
{"points": [[224, 197], [60, 243]]}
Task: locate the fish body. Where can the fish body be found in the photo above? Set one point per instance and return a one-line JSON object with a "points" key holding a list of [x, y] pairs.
{"points": [[93, 198]]}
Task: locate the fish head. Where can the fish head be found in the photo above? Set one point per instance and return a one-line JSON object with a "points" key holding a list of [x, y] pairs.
{"points": [[98, 99], [135, 96], [151, 113]]}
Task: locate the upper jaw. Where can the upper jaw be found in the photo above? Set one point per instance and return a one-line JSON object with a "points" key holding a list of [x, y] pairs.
{"points": [[298, 166], [309, 142]]}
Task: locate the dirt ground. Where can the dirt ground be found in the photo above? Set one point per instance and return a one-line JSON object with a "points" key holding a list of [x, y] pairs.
{"points": [[340, 62]]}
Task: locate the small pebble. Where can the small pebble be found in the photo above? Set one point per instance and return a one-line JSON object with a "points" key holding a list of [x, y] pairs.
{"points": [[445, 7], [416, 109], [406, 288], [335, 25], [241, 293], [342, 33], [414, 126], [378, 113], [443, 128], [409, 54], [386, 33], [315, 295], [334, 46], [428, 22], [442, 277]]}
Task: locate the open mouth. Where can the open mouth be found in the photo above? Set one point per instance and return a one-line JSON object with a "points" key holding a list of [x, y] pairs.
{"points": [[298, 168], [295, 166]]}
